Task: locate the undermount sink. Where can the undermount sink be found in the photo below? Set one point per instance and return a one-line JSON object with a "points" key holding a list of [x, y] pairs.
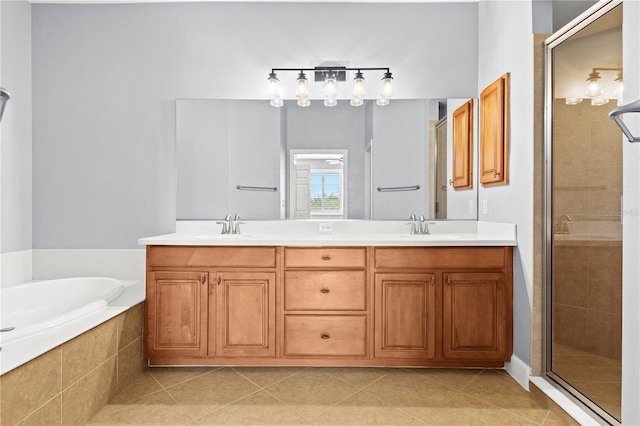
{"points": [[431, 236]]}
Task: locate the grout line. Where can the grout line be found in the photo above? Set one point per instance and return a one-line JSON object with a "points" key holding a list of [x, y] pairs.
{"points": [[186, 380], [504, 409], [91, 371], [263, 387]]}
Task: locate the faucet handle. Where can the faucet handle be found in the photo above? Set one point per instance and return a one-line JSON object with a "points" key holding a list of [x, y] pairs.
{"points": [[425, 227], [236, 228], [414, 230], [225, 230]]}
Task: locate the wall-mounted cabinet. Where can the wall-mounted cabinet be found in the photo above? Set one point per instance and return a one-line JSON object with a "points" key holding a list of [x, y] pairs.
{"points": [[462, 161], [494, 133]]}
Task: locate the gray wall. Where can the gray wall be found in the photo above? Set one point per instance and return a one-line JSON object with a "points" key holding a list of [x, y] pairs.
{"points": [[15, 155], [506, 45], [106, 78]]}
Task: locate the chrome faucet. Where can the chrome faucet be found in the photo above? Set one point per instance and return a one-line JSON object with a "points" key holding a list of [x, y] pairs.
{"points": [[415, 227], [226, 225], [562, 226], [423, 227], [235, 229]]}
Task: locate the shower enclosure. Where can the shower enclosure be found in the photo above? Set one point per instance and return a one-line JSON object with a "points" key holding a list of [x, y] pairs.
{"points": [[584, 81]]}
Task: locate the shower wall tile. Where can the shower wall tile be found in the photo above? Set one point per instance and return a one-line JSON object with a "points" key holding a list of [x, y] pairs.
{"points": [[605, 291], [570, 326], [605, 334], [601, 254]]}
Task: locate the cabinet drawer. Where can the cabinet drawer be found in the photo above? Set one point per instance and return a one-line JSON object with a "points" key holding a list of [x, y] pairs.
{"points": [[325, 257], [186, 256], [325, 290], [331, 335], [440, 257]]}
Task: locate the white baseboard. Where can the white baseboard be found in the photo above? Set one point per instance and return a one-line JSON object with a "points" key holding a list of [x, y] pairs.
{"points": [[519, 370], [16, 267], [125, 264]]}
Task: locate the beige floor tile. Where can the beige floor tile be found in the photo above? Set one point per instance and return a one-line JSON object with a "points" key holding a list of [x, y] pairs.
{"points": [[464, 409], [358, 377], [259, 408], [139, 387], [170, 376], [211, 391], [408, 391], [265, 376], [311, 391], [363, 409], [456, 378], [498, 388], [157, 409]]}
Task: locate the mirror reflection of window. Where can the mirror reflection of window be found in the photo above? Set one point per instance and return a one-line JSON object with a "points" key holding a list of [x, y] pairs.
{"points": [[326, 193]]}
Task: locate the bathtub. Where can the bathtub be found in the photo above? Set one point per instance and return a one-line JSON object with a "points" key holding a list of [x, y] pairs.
{"points": [[39, 315]]}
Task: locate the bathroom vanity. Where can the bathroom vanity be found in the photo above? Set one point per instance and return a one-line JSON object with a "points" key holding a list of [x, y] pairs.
{"points": [[358, 298]]}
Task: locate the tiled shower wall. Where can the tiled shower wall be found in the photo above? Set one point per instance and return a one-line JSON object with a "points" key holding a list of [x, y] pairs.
{"points": [[73, 381], [587, 181]]}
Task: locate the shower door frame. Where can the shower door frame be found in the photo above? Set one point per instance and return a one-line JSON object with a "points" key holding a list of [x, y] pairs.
{"points": [[579, 23]]}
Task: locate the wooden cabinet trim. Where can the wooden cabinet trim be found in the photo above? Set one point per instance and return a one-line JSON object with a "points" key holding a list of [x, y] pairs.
{"points": [[439, 258], [212, 256]]}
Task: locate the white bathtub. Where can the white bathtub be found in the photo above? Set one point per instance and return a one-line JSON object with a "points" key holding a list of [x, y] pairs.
{"points": [[40, 315]]}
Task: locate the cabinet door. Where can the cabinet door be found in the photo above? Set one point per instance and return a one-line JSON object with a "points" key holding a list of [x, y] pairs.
{"points": [[246, 317], [176, 320], [476, 324], [405, 312], [494, 132], [462, 146]]}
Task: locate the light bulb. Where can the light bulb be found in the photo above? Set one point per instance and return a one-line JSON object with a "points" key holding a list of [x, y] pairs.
{"points": [[618, 90], [382, 101], [359, 88], [304, 102], [593, 88], [331, 102], [387, 85], [356, 101], [330, 88], [277, 102], [599, 101], [572, 101], [302, 91], [273, 86]]}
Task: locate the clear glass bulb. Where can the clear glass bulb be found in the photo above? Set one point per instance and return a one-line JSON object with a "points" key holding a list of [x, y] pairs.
{"points": [[599, 101], [330, 88], [359, 88], [302, 90], [387, 87], [382, 101], [593, 88], [304, 102], [273, 86], [331, 102], [572, 101], [356, 101], [277, 102]]}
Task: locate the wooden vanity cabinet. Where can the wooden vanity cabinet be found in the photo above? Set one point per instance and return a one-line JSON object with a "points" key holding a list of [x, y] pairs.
{"points": [[351, 306], [494, 133]]}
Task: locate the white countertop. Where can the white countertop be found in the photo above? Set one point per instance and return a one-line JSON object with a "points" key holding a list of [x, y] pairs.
{"points": [[344, 233]]}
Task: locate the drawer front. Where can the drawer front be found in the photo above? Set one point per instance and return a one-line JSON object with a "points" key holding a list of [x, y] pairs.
{"points": [[329, 335], [440, 257], [325, 290], [205, 256], [314, 257]]}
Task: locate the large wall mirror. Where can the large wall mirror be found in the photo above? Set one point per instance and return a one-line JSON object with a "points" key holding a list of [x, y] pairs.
{"points": [[367, 162]]}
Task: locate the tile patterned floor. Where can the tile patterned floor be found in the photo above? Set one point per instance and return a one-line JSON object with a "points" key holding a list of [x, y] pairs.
{"points": [[324, 396], [597, 377]]}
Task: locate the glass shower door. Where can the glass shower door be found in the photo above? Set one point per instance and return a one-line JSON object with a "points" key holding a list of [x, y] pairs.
{"points": [[584, 229]]}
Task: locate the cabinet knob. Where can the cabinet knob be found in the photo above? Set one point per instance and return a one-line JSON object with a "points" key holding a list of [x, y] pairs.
{"points": [[203, 279], [495, 173], [325, 291], [325, 336], [433, 280], [448, 279], [326, 257], [218, 280], [451, 182]]}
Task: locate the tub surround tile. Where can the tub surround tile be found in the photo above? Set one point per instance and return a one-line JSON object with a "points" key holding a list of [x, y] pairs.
{"points": [[88, 395], [605, 334], [47, 415], [259, 408], [26, 389], [130, 363], [130, 325], [87, 351], [571, 336]]}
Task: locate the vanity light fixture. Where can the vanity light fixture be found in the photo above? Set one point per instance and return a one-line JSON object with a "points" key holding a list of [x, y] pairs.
{"points": [[594, 87], [330, 76]]}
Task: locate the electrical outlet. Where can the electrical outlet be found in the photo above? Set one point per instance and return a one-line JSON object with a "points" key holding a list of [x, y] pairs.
{"points": [[485, 206], [470, 206], [325, 228]]}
